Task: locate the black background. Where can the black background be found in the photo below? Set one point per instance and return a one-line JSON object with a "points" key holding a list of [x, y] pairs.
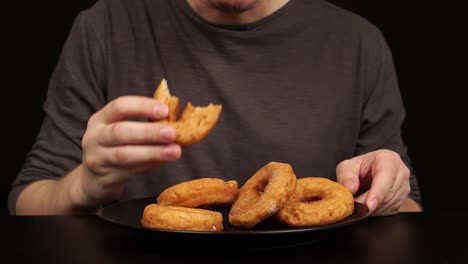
{"points": [[429, 45]]}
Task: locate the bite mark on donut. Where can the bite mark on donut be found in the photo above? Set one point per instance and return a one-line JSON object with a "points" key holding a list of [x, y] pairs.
{"points": [[163, 95], [195, 122]]}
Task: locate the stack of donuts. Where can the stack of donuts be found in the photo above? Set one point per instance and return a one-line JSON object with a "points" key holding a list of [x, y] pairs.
{"points": [[273, 191]]}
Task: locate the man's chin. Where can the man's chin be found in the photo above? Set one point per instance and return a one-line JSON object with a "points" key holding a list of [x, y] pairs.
{"points": [[233, 6]]}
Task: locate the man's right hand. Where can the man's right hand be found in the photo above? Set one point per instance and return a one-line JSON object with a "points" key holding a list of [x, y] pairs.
{"points": [[114, 148]]}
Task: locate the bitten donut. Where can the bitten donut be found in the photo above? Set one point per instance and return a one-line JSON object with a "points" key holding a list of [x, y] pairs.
{"points": [[195, 122], [317, 201], [204, 192], [181, 218], [263, 195]]}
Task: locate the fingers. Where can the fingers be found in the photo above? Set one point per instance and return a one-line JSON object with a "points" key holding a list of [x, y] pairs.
{"points": [[384, 176], [389, 180], [133, 133], [361, 198], [132, 106], [126, 156], [396, 196], [397, 175], [347, 174], [131, 156], [393, 205], [389, 208], [392, 201], [397, 185], [390, 183]]}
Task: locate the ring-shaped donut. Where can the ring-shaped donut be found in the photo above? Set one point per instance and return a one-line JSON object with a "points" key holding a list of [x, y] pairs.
{"points": [[263, 195], [181, 218], [317, 201], [204, 192]]}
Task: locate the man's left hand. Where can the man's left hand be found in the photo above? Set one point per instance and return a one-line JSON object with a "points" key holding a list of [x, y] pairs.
{"points": [[379, 178]]}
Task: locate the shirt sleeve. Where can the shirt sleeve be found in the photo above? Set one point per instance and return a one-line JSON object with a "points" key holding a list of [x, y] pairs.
{"points": [[74, 94], [383, 111]]}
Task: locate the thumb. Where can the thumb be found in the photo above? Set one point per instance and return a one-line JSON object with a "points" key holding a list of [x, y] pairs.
{"points": [[347, 174]]}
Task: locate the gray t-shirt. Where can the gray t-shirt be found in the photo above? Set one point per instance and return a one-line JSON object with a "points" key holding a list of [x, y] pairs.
{"points": [[310, 85]]}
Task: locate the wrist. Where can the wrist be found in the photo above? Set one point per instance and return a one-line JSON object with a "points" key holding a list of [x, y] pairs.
{"points": [[409, 205], [80, 201]]}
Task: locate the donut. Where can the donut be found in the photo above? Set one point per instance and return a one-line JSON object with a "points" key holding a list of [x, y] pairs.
{"points": [[263, 195], [204, 192], [316, 201], [157, 216], [195, 122]]}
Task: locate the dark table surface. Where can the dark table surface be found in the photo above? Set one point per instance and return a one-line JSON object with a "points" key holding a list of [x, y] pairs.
{"points": [[403, 238]]}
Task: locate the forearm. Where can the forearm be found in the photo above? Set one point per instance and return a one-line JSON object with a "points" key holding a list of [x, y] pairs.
{"points": [[53, 197]]}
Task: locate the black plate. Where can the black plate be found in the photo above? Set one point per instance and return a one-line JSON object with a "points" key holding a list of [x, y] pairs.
{"points": [[269, 233]]}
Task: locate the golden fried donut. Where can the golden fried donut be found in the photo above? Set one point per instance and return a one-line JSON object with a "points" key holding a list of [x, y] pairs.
{"points": [[317, 201], [195, 122], [263, 195], [204, 192], [181, 218]]}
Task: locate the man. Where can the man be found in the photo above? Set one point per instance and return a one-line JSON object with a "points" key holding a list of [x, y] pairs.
{"points": [[301, 82]]}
